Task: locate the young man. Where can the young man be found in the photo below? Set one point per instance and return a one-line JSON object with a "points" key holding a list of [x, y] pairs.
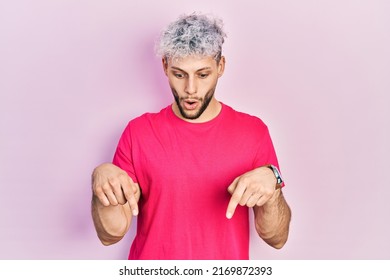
{"points": [[192, 171]]}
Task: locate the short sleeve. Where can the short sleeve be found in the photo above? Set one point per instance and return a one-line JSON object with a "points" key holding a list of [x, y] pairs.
{"points": [[123, 157], [266, 154]]}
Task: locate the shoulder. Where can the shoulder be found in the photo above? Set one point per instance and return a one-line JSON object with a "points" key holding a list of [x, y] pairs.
{"points": [[148, 119], [244, 120], [144, 124]]}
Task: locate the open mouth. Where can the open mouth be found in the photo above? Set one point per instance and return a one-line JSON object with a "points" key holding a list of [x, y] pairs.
{"points": [[190, 104]]}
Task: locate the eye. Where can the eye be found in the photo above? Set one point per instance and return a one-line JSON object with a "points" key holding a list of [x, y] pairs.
{"points": [[203, 75], [178, 75]]}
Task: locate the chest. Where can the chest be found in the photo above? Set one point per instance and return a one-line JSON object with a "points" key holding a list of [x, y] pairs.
{"points": [[174, 162]]}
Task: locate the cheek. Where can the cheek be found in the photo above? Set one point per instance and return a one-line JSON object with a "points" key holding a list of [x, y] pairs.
{"points": [[173, 82], [209, 84]]}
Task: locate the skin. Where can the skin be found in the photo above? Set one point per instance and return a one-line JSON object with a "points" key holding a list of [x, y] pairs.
{"points": [[114, 202], [115, 196], [194, 79], [257, 189]]}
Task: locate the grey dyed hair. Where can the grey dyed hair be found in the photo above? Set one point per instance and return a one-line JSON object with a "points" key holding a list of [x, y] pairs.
{"points": [[195, 34]]}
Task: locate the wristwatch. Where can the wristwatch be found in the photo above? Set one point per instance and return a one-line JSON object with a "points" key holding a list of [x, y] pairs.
{"points": [[279, 180]]}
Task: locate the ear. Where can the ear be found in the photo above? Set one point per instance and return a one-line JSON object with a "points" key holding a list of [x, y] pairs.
{"points": [[221, 66], [165, 65]]}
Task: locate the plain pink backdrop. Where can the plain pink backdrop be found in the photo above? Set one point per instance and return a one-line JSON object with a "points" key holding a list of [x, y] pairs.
{"points": [[73, 73]]}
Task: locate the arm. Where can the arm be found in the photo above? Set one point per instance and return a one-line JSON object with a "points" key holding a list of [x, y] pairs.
{"points": [[114, 202], [272, 220], [256, 189]]}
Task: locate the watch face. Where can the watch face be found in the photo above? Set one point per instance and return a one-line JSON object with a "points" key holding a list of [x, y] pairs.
{"points": [[279, 179]]}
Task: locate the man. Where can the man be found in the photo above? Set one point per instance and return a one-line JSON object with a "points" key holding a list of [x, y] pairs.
{"points": [[192, 171]]}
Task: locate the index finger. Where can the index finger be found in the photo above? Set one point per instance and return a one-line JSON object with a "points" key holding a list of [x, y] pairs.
{"points": [[239, 190], [128, 188]]}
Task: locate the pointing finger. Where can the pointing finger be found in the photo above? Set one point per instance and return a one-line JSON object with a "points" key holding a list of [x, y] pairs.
{"points": [[235, 200], [128, 189]]}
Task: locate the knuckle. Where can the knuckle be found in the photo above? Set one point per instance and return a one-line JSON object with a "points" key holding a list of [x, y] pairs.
{"points": [[117, 189], [252, 188], [122, 175], [242, 203], [268, 192], [94, 173], [243, 180], [112, 180], [98, 191], [102, 199], [236, 197], [106, 187], [121, 201], [129, 179], [113, 200], [125, 190], [250, 204]]}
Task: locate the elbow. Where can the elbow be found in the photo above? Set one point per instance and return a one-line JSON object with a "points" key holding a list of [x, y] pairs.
{"points": [[109, 241], [278, 244], [106, 243], [275, 238]]}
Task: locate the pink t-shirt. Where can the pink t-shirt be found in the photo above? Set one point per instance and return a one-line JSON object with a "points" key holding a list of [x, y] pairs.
{"points": [[184, 170]]}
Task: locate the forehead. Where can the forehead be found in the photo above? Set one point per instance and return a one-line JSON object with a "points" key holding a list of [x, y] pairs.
{"points": [[193, 63]]}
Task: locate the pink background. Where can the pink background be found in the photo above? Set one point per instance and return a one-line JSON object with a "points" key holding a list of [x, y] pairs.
{"points": [[73, 73]]}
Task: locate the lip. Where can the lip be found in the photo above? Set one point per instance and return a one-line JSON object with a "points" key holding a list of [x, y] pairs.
{"points": [[191, 104]]}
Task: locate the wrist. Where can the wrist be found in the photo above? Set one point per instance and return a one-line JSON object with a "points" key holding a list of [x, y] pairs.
{"points": [[279, 183]]}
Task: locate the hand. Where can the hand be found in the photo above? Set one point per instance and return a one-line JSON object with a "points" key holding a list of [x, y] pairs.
{"points": [[253, 188], [113, 186]]}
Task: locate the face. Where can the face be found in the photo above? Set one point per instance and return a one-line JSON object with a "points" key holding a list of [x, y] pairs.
{"points": [[193, 81]]}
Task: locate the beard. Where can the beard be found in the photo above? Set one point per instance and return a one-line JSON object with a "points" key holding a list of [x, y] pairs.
{"points": [[204, 103]]}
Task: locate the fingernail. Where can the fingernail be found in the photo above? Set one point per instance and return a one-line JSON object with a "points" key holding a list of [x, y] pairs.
{"points": [[229, 215], [135, 212]]}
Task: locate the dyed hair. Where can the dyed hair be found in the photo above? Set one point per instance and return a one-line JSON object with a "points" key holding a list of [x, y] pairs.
{"points": [[195, 34]]}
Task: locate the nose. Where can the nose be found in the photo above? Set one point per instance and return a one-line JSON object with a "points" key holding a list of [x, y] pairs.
{"points": [[191, 86]]}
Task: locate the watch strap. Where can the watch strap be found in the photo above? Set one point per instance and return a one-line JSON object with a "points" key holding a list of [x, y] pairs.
{"points": [[279, 180]]}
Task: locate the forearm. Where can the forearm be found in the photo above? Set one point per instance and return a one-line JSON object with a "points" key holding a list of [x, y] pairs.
{"points": [[111, 222], [272, 220]]}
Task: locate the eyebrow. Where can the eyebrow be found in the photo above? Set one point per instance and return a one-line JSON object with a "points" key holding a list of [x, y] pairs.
{"points": [[201, 69]]}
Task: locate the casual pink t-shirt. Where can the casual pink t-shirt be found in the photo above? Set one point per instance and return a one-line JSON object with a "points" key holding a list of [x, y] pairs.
{"points": [[184, 170]]}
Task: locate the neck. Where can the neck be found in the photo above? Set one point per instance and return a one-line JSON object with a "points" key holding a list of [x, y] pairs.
{"points": [[210, 113]]}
